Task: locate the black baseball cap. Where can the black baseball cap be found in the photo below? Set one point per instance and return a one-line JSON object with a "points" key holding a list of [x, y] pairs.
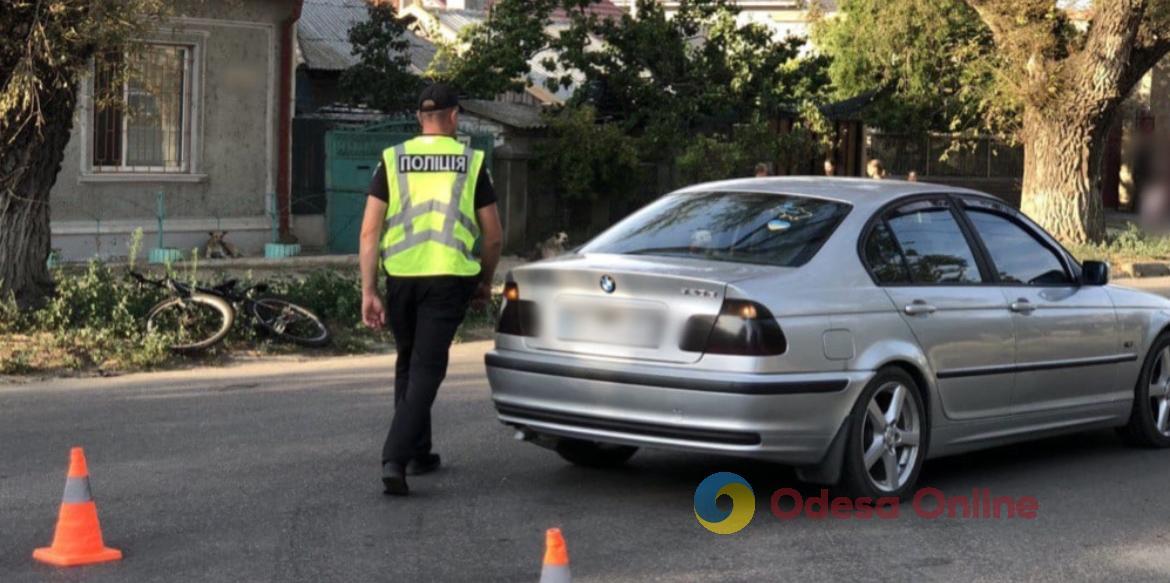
{"points": [[437, 97]]}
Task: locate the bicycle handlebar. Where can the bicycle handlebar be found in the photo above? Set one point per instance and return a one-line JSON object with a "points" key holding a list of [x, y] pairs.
{"points": [[167, 282], [170, 283], [143, 279]]}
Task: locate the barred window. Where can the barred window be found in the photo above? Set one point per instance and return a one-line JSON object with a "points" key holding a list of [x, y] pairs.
{"points": [[140, 120]]}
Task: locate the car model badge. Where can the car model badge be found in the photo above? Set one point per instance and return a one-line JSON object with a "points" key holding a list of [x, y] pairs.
{"points": [[608, 284], [699, 292]]}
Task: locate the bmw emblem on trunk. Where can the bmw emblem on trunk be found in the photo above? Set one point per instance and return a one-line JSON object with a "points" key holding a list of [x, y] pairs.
{"points": [[608, 284]]}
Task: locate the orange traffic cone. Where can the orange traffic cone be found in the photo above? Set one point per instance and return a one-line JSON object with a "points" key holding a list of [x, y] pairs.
{"points": [[78, 539], [556, 558]]}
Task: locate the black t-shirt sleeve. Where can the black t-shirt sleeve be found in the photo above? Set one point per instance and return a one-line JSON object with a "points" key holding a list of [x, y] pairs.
{"points": [[379, 187], [485, 193]]}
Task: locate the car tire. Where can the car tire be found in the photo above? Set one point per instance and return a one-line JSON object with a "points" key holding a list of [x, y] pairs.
{"points": [[869, 432], [1143, 428], [594, 455]]}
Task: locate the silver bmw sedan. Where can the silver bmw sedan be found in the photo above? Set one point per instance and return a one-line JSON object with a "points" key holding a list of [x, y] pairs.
{"points": [[851, 328]]}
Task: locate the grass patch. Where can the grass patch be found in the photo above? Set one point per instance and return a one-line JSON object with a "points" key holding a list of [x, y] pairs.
{"points": [[96, 323], [1128, 245]]}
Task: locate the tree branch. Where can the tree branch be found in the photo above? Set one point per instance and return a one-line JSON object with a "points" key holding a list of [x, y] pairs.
{"points": [[1028, 40], [1141, 61], [1106, 59], [994, 16]]}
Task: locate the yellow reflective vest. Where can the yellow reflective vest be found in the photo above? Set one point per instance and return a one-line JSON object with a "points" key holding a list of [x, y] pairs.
{"points": [[430, 214]]}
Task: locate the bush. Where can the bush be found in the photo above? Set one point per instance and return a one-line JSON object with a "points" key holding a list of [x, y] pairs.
{"points": [[1131, 244], [712, 158], [719, 156], [589, 160], [98, 299], [333, 296], [12, 319], [96, 319]]}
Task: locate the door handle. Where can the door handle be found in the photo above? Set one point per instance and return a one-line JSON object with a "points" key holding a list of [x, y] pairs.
{"points": [[919, 307], [1022, 306]]}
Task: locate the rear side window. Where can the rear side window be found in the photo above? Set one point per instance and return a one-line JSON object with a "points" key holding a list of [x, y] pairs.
{"points": [[933, 244], [747, 227], [883, 256], [1018, 256]]}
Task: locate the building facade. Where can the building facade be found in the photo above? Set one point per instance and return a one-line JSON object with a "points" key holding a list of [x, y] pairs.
{"points": [[195, 135]]}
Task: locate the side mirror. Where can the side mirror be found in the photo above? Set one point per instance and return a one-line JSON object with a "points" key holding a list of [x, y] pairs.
{"points": [[1094, 273]]}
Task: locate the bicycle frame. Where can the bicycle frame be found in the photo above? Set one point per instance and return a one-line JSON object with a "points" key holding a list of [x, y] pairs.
{"points": [[231, 293]]}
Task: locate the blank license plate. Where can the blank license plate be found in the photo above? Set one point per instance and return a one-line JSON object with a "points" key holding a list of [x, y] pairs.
{"points": [[611, 325]]}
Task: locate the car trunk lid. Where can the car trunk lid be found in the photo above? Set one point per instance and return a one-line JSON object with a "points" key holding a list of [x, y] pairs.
{"points": [[623, 306]]}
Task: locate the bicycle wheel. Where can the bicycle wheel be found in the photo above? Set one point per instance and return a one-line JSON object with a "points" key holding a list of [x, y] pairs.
{"points": [[195, 323], [291, 322]]}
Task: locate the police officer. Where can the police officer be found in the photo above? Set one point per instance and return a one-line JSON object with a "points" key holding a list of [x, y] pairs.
{"points": [[429, 200]]}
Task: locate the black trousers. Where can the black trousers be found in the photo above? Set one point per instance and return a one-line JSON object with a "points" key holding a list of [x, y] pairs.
{"points": [[423, 313]]}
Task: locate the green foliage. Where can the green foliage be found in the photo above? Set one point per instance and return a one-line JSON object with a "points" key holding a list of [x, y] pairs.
{"points": [[1130, 244], [335, 297], [97, 319], [720, 156], [46, 45], [651, 75], [658, 79], [590, 160], [17, 363], [382, 78], [644, 90], [12, 318], [98, 299], [712, 157], [932, 63], [798, 152], [698, 71], [153, 351], [497, 53]]}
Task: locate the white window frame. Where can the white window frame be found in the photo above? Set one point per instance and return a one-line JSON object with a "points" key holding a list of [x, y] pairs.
{"points": [[189, 168]]}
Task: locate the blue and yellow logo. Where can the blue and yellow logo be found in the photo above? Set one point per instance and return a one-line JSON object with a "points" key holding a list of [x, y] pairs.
{"points": [[743, 503]]}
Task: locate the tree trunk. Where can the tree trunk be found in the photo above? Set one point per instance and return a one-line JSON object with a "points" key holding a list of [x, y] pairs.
{"points": [[1062, 160], [31, 157]]}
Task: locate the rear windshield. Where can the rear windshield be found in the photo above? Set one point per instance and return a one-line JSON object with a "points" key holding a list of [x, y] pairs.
{"points": [[748, 227]]}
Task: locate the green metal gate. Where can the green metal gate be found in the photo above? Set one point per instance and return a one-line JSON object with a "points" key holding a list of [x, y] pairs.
{"points": [[350, 159]]}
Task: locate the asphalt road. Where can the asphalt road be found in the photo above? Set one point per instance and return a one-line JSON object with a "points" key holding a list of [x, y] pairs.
{"points": [[269, 472]]}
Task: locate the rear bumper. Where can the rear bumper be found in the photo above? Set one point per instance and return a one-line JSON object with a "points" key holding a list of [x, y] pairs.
{"points": [[789, 418]]}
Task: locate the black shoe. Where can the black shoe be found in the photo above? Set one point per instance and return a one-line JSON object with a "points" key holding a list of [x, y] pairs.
{"points": [[394, 478], [424, 464]]}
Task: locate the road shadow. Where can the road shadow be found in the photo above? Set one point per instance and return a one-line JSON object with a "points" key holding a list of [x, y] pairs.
{"points": [[1021, 462]]}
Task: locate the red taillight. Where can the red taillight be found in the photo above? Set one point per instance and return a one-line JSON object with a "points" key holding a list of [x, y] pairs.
{"points": [[519, 316], [743, 327]]}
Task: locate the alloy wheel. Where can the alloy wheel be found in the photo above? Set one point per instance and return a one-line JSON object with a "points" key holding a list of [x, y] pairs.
{"points": [[890, 436], [1160, 392]]}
